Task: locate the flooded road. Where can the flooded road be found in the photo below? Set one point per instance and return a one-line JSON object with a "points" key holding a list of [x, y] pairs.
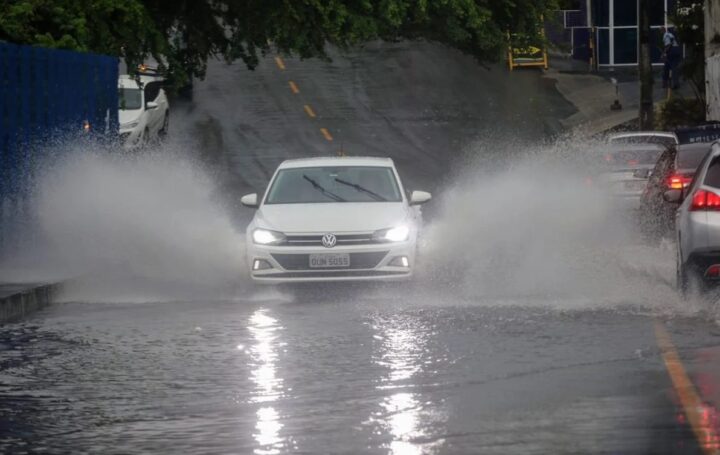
{"points": [[387, 372], [531, 326]]}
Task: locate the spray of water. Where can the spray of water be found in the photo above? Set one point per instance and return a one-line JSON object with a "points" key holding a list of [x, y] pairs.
{"points": [[535, 229], [148, 225], [511, 227]]}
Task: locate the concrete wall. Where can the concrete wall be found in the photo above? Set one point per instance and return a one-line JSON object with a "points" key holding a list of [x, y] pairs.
{"points": [[712, 54], [19, 305]]}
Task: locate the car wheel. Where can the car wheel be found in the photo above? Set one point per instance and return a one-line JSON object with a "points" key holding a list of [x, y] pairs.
{"points": [[166, 124], [146, 137]]}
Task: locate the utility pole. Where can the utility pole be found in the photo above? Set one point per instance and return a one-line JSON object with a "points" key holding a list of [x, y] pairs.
{"points": [[645, 68]]}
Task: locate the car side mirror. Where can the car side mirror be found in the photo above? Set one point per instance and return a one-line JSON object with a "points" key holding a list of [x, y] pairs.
{"points": [[642, 173], [250, 200], [419, 197], [673, 196], [150, 105]]}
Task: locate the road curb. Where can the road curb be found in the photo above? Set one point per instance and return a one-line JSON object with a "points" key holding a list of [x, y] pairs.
{"points": [[19, 305]]}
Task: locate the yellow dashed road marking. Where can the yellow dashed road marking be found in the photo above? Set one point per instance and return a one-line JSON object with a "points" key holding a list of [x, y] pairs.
{"points": [[294, 88], [695, 410], [326, 134], [280, 63], [309, 111]]}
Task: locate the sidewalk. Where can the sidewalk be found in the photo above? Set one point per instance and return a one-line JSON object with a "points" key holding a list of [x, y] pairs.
{"points": [[592, 94]]}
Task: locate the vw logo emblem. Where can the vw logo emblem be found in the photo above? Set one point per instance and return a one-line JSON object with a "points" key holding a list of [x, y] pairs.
{"points": [[329, 240]]}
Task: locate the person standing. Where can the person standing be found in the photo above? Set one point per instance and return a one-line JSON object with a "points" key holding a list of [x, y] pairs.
{"points": [[672, 57]]}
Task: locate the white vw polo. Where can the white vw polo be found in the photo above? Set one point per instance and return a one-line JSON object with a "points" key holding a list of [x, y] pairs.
{"points": [[333, 219]]}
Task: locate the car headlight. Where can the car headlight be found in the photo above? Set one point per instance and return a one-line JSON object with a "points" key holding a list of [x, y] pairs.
{"points": [[129, 126], [267, 237], [396, 234]]}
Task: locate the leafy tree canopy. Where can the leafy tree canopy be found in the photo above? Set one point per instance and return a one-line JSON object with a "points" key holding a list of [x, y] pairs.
{"points": [[183, 34]]}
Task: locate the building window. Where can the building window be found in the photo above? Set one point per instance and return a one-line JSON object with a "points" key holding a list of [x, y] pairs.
{"points": [[656, 10], [601, 13], [625, 45], [625, 13]]}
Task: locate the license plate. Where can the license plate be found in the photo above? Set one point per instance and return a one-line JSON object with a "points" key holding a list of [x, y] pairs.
{"points": [[323, 261]]}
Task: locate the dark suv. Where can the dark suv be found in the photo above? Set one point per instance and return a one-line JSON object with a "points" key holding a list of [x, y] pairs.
{"points": [[674, 169]]}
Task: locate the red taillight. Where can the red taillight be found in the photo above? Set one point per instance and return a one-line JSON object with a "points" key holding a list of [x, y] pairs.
{"points": [[705, 200], [713, 271], [678, 182]]}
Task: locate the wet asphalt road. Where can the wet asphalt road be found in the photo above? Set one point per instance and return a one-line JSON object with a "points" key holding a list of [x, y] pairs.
{"points": [[425, 367]]}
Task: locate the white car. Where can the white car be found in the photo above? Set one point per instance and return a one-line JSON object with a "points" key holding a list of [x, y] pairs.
{"points": [[334, 219], [663, 138], [144, 111]]}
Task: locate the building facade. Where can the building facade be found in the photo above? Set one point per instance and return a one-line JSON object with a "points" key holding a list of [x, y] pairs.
{"points": [[605, 32], [712, 58]]}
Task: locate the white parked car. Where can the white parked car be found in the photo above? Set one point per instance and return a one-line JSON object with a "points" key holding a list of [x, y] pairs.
{"points": [[334, 219], [663, 138], [144, 111]]}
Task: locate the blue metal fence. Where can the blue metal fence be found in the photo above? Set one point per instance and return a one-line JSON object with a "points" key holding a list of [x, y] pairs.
{"points": [[45, 97]]}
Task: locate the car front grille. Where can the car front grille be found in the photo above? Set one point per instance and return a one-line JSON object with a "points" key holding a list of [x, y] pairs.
{"points": [[342, 239], [334, 274], [368, 260]]}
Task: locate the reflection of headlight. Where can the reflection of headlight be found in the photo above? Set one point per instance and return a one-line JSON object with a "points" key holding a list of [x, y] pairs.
{"points": [[130, 125], [396, 234], [266, 237]]}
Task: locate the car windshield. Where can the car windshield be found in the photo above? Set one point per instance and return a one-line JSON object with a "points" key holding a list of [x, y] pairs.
{"points": [[633, 157], [129, 99], [334, 184], [648, 139], [690, 157]]}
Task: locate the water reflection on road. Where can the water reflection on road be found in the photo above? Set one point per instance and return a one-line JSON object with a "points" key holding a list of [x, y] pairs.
{"points": [[265, 331], [402, 348]]}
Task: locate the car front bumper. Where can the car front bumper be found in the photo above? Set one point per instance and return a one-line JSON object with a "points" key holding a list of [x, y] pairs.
{"points": [[367, 263], [130, 138]]}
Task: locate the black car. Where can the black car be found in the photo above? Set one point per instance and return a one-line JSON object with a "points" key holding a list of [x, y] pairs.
{"points": [[674, 170]]}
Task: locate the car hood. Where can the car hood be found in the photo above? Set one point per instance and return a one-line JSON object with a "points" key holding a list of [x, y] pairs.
{"points": [[331, 217], [127, 116]]}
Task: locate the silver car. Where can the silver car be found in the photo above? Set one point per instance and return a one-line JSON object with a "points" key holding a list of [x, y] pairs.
{"points": [[663, 138], [626, 171], [698, 225]]}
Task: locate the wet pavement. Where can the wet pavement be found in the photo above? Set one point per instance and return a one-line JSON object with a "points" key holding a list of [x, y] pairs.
{"points": [[372, 371], [546, 359]]}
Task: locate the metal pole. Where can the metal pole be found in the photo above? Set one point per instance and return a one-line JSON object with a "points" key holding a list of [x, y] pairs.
{"points": [[645, 67]]}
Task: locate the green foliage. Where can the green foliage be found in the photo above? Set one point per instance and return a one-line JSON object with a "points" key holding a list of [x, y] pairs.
{"points": [[677, 112], [183, 34]]}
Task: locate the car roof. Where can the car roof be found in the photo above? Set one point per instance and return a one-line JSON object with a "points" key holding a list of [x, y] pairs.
{"points": [[126, 80], [642, 134], [337, 161], [705, 134]]}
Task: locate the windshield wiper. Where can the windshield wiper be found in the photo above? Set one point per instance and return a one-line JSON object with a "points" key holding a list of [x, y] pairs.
{"points": [[325, 192], [362, 189]]}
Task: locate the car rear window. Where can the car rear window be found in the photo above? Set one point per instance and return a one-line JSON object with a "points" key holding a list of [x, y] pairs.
{"points": [[690, 158], [712, 178], [633, 157], [665, 141]]}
